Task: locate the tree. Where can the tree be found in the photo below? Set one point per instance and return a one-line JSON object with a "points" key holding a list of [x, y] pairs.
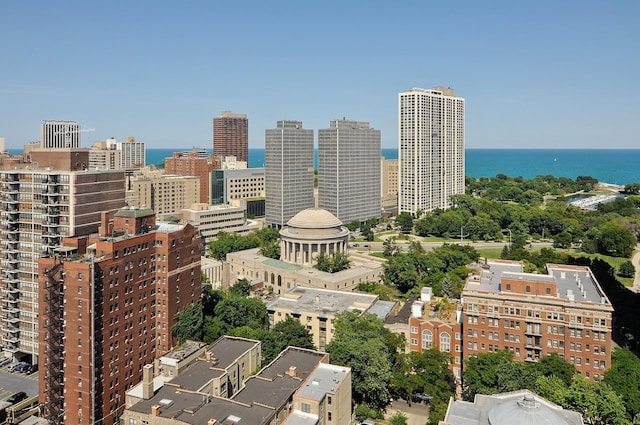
{"points": [[627, 269], [562, 240], [624, 379], [400, 272], [337, 262], [398, 418], [389, 247], [242, 288], [481, 376], [289, 332], [632, 188], [615, 240], [270, 249], [362, 343], [235, 311], [404, 220], [189, 323], [554, 365]]}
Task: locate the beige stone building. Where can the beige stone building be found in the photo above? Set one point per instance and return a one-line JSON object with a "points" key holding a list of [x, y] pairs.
{"points": [[164, 193], [104, 156], [389, 185], [310, 232], [213, 219], [316, 308]]}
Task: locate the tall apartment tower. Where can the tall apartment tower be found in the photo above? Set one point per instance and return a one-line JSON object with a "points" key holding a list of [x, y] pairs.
{"points": [[133, 154], [349, 170], [60, 134], [231, 135], [289, 172], [41, 204], [431, 148], [107, 304]]}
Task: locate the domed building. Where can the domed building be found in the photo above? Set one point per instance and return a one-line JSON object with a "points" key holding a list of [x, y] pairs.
{"points": [[309, 233], [514, 408]]}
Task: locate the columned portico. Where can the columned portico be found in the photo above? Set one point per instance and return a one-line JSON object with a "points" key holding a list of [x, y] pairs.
{"points": [[309, 233]]}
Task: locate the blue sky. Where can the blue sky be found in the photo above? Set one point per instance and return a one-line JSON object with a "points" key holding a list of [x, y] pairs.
{"points": [[543, 74]]}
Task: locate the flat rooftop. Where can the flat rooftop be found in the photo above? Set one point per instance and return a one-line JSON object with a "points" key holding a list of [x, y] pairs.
{"points": [[322, 301], [305, 361], [227, 349], [266, 392], [183, 351], [325, 379], [194, 408], [575, 283], [197, 375]]}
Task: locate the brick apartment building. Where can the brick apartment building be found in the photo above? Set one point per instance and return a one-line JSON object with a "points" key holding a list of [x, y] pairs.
{"points": [[107, 304], [532, 315], [231, 136], [194, 163]]}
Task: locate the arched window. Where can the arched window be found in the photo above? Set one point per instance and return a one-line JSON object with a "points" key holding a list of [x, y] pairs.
{"points": [[427, 340], [279, 280], [445, 342]]}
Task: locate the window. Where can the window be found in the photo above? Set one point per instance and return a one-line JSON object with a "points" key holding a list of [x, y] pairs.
{"points": [[427, 340], [329, 416], [306, 407], [445, 342], [414, 330], [329, 400]]}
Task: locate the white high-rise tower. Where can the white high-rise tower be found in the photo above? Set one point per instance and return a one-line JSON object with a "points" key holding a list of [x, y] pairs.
{"points": [[431, 148]]}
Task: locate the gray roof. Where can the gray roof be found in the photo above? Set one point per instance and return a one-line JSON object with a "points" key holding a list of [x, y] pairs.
{"points": [[197, 409], [273, 393], [227, 349], [322, 301], [575, 282], [325, 379], [382, 309], [299, 418], [197, 375], [514, 408], [186, 349], [305, 361]]}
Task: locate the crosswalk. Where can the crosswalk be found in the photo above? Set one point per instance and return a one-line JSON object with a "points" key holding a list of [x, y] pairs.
{"points": [[4, 393]]}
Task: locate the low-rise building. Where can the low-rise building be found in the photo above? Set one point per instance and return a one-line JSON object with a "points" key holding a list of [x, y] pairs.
{"points": [[213, 219], [315, 309], [296, 379], [532, 315]]}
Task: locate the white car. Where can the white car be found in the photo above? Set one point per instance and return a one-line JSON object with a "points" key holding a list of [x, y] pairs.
{"points": [[5, 361]]}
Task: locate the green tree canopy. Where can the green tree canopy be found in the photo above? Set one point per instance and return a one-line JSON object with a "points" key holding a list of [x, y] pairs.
{"points": [[188, 324]]}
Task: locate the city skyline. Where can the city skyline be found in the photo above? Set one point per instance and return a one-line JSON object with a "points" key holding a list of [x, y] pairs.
{"points": [[534, 75]]}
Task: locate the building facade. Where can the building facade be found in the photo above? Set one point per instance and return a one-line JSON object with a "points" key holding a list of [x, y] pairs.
{"points": [[389, 185], [349, 170], [532, 315], [164, 193], [108, 302], [104, 156], [241, 184], [133, 154], [213, 219], [40, 206], [431, 137], [289, 172], [59, 134], [194, 163], [231, 135]]}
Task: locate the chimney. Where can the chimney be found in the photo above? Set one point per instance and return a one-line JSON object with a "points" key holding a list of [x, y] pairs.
{"points": [[292, 371], [147, 381], [207, 355], [103, 230], [212, 422], [155, 410]]}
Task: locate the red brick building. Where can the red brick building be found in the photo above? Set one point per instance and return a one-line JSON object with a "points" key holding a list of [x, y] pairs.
{"points": [[231, 136], [532, 315], [108, 302], [195, 163]]}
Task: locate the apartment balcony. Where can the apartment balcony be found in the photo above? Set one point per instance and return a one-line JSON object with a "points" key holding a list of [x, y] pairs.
{"points": [[10, 330], [12, 318], [10, 338], [11, 289], [10, 178]]}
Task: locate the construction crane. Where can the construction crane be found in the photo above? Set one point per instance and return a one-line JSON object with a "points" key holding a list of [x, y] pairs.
{"points": [[69, 131]]}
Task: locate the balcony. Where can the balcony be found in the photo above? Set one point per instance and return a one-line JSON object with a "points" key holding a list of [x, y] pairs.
{"points": [[10, 338], [10, 178]]}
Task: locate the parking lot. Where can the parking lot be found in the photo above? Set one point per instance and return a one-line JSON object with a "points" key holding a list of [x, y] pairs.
{"points": [[13, 382]]}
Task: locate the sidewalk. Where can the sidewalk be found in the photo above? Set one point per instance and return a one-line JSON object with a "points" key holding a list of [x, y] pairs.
{"points": [[417, 413]]}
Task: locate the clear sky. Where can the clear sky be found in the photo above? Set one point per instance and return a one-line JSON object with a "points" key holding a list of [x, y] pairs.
{"points": [[535, 74]]}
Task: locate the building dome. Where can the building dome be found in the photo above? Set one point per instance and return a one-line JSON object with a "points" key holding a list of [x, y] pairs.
{"points": [[309, 233], [525, 411], [314, 218]]}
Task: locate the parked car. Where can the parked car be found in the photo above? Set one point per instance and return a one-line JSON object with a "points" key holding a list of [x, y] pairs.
{"points": [[23, 368], [17, 397], [421, 398], [5, 361], [14, 367]]}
